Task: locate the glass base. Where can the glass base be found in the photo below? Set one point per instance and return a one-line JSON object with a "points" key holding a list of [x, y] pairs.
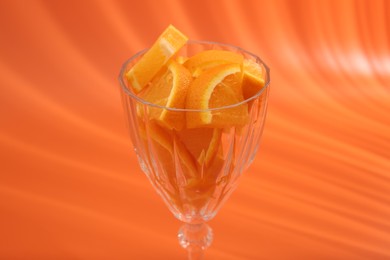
{"points": [[195, 238]]}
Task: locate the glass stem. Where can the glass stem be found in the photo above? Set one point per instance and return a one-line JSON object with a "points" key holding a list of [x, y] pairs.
{"points": [[195, 238], [195, 253]]}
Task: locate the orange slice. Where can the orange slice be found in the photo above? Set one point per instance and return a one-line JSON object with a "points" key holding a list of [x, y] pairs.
{"points": [[202, 143], [199, 191], [181, 59], [211, 58], [253, 80], [167, 45], [171, 152], [168, 90], [215, 88]]}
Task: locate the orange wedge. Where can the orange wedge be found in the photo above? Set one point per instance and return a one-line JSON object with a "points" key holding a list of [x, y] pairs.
{"points": [[253, 80], [167, 45], [199, 191], [202, 143], [168, 90], [211, 58], [168, 147], [215, 88], [181, 59]]}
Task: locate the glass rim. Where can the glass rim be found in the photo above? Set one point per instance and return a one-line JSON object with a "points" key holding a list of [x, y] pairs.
{"points": [[137, 98]]}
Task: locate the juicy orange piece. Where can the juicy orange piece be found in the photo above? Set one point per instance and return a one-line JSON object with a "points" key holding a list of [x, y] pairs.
{"points": [[168, 90], [233, 116], [160, 136], [202, 143], [169, 42], [253, 80], [170, 151], [211, 58], [181, 59], [199, 191], [215, 88]]}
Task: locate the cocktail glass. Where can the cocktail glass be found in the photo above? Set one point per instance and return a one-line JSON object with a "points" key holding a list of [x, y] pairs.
{"points": [[195, 187]]}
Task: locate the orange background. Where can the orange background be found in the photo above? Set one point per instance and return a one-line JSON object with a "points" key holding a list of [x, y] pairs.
{"points": [[70, 186]]}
